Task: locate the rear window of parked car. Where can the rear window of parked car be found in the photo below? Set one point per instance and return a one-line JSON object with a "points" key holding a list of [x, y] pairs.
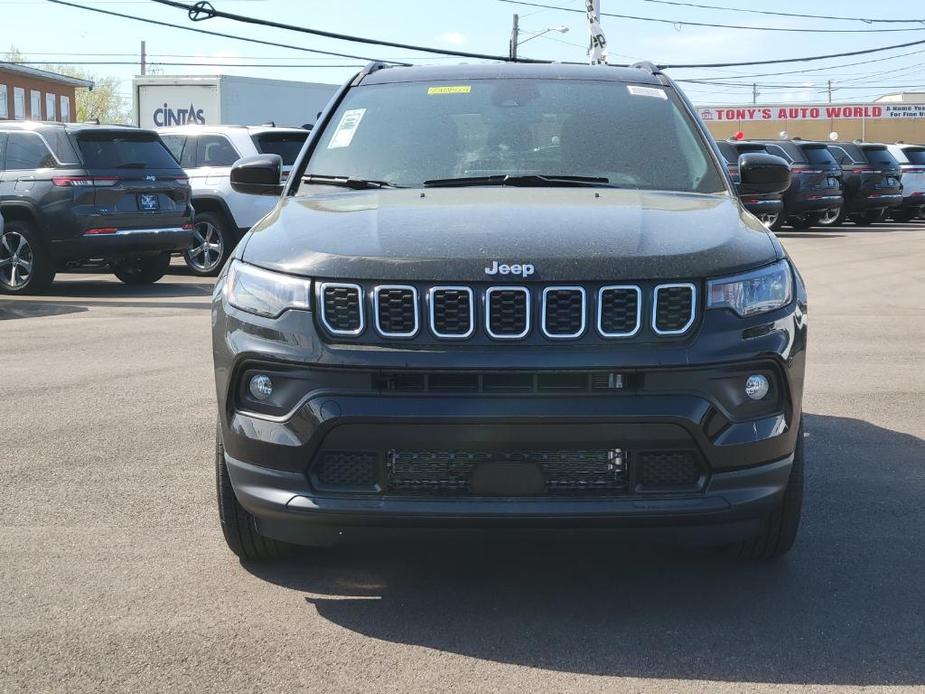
{"points": [[124, 150], [915, 156], [880, 156], [819, 155], [286, 145]]}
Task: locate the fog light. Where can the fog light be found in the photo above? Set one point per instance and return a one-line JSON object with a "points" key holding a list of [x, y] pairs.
{"points": [[261, 387], [756, 386]]}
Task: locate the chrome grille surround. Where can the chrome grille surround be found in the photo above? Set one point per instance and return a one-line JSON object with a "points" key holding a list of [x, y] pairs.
{"points": [[377, 291], [693, 311], [322, 301], [584, 312], [432, 304], [600, 309], [488, 312]]}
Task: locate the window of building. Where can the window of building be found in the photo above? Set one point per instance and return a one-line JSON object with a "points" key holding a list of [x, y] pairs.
{"points": [[35, 104], [50, 110], [27, 151], [19, 103], [4, 107], [65, 109]]}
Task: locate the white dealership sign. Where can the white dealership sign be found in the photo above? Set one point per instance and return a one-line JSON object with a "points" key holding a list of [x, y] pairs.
{"points": [[812, 112]]}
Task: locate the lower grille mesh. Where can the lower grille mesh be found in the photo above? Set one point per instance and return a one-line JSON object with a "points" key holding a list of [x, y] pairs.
{"points": [[667, 470], [347, 471]]}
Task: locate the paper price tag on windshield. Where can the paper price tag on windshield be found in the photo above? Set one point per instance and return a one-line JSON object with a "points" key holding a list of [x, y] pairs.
{"points": [[637, 90], [346, 129], [457, 89]]}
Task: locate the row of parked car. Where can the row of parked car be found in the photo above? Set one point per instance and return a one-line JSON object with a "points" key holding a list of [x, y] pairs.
{"points": [[865, 182], [73, 195]]}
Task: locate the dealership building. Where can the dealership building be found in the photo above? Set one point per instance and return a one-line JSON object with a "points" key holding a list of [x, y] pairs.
{"points": [[891, 118]]}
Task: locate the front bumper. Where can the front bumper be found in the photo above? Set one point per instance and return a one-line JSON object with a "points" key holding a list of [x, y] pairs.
{"points": [[335, 397]]}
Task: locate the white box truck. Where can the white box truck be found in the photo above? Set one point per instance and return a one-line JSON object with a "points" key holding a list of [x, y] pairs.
{"points": [[162, 101]]}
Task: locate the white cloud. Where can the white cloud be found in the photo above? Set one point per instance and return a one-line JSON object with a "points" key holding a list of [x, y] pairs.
{"points": [[454, 38]]}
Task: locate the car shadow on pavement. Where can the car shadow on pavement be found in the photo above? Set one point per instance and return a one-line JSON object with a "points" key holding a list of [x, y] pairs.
{"points": [[845, 607]]}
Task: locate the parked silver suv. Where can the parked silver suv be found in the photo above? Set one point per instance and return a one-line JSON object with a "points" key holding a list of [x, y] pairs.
{"points": [[223, 216]]}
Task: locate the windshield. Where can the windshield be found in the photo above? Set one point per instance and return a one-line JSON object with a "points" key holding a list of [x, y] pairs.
{"points": [[407, 133], [286, 145], [120, 150]]}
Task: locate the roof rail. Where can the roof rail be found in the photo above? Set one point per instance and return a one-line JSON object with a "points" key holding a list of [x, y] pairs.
{"points": [[269, 124], [370, 68], [92, 121], [648, 66]]}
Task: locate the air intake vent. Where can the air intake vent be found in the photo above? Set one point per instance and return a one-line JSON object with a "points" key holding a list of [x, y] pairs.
{"points": [[673, 311], [563, 312], [507, 314], [396, 310], [342, 308], [619, 309], [667, 471], [452, 312], [347, 471]]}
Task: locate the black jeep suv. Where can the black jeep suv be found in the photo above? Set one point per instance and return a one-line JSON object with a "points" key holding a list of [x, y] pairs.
{"points": [[509, 295], [872, 180], [74, 194], [815, 192]]}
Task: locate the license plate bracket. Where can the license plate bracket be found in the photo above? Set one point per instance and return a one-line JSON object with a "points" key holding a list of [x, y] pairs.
{"points": [[148, 202]]}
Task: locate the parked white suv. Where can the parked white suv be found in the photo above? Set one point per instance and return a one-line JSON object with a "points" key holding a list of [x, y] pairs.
{"points": [[911, 160], [223, 216]]}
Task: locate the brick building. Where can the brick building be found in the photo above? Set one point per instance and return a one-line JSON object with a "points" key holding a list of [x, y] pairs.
{"points": [[27, 93]]}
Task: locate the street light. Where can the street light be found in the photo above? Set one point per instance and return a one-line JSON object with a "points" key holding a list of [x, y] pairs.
{"points": [[515, 34]]}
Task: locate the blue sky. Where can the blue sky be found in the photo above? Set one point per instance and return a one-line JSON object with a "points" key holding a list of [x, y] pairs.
{"points": [[45, 31]]}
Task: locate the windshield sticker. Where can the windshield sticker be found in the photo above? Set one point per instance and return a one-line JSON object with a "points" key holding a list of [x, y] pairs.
{"points": [[457, 89], [636, 90], [346, 129]]}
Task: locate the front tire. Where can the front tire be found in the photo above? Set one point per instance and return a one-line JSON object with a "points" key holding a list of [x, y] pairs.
{"points": [[145, 269], [238, 526], [212, 245], [784, 521], [25, 267]]}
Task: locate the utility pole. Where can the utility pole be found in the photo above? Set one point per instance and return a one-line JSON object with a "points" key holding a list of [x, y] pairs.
{"points": [[754, 93], [515, 30], [144, 59], [830, 91]]}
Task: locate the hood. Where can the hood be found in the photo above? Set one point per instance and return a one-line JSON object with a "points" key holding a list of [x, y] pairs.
{"points": [[453, 234]]}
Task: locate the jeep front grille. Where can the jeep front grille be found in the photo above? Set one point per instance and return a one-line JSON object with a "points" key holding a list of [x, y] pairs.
{"points": [[674, 308], [452, 312], [421, 312], [342, 308], [396, 310], [564, 312], [507, 312]]}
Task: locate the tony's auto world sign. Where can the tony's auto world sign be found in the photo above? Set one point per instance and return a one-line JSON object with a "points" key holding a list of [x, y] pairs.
{"points": [[810, 113]]}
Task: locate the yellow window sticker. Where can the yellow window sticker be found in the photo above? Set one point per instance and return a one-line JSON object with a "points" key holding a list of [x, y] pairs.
{"points": [[457, 89]]}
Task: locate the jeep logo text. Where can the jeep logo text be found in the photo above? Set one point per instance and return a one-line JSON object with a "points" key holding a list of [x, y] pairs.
{"points": [[522, 269]]}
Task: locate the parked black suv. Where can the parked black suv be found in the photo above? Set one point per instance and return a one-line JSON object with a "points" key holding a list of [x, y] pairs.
{"points": [[768, 208], [73, 194], [509, 295], [872, 181], [815, 193]]}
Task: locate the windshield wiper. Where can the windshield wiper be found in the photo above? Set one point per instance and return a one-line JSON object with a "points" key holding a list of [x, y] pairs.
{"points": [[520, 180], [347, 182]]}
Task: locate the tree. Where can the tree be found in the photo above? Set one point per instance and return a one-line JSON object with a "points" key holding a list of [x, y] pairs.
{"points": [[103, 101]]}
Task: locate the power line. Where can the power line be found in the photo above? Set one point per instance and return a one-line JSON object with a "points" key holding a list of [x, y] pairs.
{"points": [[678, 22], [203, 11], [215, 33], [866, 20], [176, 64]]}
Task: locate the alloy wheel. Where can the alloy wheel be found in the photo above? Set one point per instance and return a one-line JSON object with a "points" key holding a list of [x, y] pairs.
{"points": [[769, 219], [829, 216], [15, 260], [209, 249]]}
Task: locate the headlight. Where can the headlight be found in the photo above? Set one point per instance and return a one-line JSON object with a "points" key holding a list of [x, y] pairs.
{"points": [[263, 292], [758, 291]]}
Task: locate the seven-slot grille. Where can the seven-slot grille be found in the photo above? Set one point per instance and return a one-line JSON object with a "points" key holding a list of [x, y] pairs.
{"points": [[342, 308], [396, 310], [506, 312], [563, 311], [452, 312], [673, 310]]}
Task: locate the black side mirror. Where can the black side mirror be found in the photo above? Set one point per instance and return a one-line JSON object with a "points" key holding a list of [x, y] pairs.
{"points": [[762, 174], [259, 175]]}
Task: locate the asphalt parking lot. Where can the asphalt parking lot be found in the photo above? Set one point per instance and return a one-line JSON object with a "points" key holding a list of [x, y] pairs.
{"points": [[114, 575]]}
